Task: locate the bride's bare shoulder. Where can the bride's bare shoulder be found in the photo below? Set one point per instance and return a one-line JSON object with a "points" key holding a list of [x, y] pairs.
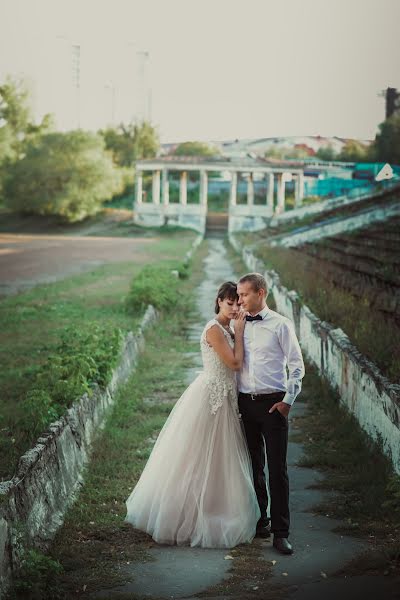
{"points": [[214, 333]]}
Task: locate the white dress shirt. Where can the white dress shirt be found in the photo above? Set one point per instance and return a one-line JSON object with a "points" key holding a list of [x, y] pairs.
{"points": [[271, 346]]}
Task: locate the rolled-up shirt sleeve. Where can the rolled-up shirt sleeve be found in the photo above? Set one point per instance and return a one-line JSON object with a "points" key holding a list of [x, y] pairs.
{"points": [[292, 351]]}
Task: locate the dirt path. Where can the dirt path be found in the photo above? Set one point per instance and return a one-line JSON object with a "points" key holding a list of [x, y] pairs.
{"points": [[29, 259]]}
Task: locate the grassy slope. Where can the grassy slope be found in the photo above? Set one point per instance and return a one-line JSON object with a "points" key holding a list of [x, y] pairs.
{"points": [[31, 323], [355, 316]]}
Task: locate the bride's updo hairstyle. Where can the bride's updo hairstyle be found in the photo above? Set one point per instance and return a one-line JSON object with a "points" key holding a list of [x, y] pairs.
{"points": [[226, 290]]}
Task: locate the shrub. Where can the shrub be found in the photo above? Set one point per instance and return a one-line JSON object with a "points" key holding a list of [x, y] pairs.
{"points": [[156, 285], [83, 359], [68, 175], [36, 574]]}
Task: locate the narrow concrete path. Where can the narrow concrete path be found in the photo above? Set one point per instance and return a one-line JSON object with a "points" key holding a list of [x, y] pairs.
{"points": [[182, 572]]}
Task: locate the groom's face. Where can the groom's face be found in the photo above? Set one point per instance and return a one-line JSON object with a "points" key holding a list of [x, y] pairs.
{"points": [[249, 299]]}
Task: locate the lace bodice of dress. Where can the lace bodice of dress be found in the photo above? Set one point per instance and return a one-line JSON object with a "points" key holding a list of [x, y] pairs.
{"points": [[220, 379]]}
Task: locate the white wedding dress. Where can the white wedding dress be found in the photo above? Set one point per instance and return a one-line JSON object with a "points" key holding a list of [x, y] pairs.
{"points": [[197, 486]]}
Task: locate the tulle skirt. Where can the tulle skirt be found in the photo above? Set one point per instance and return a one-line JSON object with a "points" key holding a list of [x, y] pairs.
{"points": [[197, 486]]}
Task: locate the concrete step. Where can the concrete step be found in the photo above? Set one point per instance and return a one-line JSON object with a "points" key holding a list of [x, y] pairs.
{"points": [[217, 222]]}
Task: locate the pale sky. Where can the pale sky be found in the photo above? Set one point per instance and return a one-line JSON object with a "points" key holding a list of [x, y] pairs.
{"points": [[217, 69]]}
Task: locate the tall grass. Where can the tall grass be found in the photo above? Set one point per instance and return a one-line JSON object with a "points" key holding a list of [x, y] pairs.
{"points": [[370, 331]]}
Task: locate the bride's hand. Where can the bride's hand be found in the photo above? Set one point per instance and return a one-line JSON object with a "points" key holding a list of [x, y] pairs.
{"points": [[240, 322]]}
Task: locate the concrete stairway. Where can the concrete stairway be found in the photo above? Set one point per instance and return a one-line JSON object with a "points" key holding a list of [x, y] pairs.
{"points": [[217, 223]]}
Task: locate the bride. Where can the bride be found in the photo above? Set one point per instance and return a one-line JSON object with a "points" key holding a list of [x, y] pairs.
{"points": [[197, 486]]}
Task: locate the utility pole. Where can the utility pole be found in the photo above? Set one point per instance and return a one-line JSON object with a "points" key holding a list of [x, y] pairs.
{"points": [[110, 86], [143, 112], [76, 80]]}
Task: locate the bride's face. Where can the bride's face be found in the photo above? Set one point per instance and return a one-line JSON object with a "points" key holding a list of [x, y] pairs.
{"points": [[228, 308]]}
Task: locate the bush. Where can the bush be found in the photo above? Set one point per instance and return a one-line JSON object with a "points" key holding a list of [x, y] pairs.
{"points": [[37, 573], [68, 175], [156, 285], [82, 360]]}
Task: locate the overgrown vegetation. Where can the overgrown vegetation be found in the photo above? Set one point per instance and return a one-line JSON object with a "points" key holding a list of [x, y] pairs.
{"points": [[17, 125], [37, 574], [65, 174], [68, 174], [371, 333], [84, 358], [157, 285], [57, 340], [132, 142]]}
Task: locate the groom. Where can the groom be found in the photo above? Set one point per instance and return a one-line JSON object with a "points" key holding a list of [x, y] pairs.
{"points": [[265, 397]]}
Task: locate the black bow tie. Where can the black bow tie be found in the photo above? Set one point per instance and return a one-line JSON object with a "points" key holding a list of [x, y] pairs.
{"points": [[256, 318]]}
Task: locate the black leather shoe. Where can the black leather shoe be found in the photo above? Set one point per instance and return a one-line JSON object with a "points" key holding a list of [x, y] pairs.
{"points": [[263, 531], [282, 545]]}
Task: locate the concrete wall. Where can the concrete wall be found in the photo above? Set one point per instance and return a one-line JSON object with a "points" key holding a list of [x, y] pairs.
{"points": [[244, 218], [192, 216], [338, 225], [327, 205], [363, 390]]}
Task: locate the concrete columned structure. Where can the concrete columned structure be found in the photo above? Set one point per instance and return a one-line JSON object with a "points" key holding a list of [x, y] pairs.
{"points": [[233, 189], [165, 187], [183, 188], [270, 192], [156, 187], [203, 188], [280, 204], [139, 187], [250, 191], [249, 216], [299, 190]]}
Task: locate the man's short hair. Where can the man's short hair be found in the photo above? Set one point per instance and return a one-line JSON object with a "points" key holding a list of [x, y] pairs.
{"points": [[257, 281]]}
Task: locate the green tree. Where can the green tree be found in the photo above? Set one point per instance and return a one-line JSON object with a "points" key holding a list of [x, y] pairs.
{"points": [[326, 153], [354, 151], [129, 143], [146, 139], [386, 147], [65, 174], [284, 153], [195, 149], [17, 127]]}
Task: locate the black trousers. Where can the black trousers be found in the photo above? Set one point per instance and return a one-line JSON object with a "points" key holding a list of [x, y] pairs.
{"points": [[261, 425]]}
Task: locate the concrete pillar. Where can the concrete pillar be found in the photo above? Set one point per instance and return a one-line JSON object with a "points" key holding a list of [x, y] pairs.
{"points": [[156, 187], [139, 187], [280, 205], [270, 192], [233, 194], [301, 187], [183, 188], [250, 191], [299, 190], [203, 188], [165, 187]]}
